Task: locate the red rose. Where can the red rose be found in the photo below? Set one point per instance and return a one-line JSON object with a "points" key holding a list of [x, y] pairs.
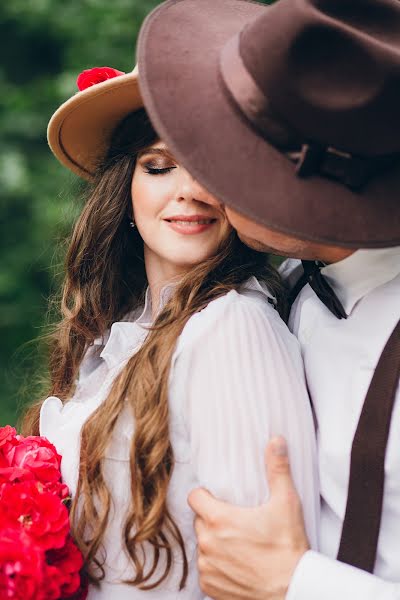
{"points": [[52, 589], [67, 563], [7, 433], [35, 454], [14, 475], [96, 75], [7, 441], [83, 591], [39, 513], [59, 489], [21, 566]]}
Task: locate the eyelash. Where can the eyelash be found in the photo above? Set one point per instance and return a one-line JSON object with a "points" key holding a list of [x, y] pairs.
{"points": [[152, 171]]}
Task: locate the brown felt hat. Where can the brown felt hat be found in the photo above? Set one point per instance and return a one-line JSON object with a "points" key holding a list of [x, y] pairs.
{"points": [[289, 114], [80, 130]]}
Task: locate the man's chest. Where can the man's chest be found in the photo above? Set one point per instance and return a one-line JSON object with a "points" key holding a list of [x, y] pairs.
{"points": [[340, 357]]}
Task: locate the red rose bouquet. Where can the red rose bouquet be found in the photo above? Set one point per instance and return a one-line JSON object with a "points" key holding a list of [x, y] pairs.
{"points": [[38, 558]]}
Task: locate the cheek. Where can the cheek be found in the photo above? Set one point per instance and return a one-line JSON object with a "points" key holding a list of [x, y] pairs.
{"points": [[147, 200], [226, 229], [242, 225], [150, 196]]}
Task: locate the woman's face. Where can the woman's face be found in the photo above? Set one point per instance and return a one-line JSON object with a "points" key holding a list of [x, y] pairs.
{"points": [[181, 224]]}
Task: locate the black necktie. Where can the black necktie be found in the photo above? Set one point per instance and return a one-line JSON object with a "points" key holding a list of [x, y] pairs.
{"points": [[313, 276]]}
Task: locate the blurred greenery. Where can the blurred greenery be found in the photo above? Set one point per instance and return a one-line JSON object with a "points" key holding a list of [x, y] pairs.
{"points": [[44, 44]]}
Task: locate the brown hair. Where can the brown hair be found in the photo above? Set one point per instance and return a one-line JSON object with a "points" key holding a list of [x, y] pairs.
{"points": [[105, 279]]}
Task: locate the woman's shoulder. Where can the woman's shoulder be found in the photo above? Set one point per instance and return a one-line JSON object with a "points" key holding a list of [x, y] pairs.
{"points": [[238, 311], [252, 297]]}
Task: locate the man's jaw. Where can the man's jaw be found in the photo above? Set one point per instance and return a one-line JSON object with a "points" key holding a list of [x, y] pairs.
{"points": [[259, 246]]}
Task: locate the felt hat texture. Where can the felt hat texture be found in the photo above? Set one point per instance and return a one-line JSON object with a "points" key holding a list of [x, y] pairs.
{"points": [[287, 113]]}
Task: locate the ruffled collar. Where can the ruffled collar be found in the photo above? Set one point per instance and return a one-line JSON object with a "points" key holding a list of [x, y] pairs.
{"points": [[126, 337]]}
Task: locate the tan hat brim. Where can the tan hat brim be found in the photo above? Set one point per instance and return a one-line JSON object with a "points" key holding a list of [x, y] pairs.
{"points": [[80, 130]]}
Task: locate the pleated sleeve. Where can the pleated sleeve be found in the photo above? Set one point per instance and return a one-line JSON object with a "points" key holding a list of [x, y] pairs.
{"points": [[242, 382]]}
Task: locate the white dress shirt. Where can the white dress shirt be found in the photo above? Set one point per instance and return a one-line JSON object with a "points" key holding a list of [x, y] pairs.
{"points": [[340, 357], [236, 379]]}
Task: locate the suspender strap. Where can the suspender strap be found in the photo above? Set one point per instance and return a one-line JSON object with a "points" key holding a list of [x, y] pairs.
{"points": [[362, 520]]}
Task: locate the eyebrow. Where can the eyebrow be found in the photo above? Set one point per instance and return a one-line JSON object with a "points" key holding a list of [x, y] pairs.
{"points": [[159, 151]]}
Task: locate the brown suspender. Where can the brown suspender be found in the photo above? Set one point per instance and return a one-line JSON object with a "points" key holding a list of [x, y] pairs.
{"points": [[360, 532], [362, 520]]}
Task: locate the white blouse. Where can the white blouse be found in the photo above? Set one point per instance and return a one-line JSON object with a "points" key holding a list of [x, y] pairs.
{"points": [[236, 379]]}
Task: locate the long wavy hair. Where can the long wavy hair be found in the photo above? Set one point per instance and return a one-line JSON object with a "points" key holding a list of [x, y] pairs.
{"points": [[105, 279]]}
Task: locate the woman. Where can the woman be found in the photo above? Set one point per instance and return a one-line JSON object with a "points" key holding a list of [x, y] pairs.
{"points": [[171, 367]]}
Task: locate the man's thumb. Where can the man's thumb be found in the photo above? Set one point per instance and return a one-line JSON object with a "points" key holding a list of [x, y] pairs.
{"points": [[278, 468]]}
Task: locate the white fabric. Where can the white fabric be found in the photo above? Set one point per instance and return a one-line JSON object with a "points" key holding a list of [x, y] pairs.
{"points": [[236, 378], [340, 357]]}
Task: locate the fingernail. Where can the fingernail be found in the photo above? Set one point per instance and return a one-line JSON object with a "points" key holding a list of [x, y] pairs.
{"points": [[279, 447]]}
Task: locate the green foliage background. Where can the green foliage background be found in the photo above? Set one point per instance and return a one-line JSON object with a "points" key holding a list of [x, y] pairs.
{"points": [[44, 44]]}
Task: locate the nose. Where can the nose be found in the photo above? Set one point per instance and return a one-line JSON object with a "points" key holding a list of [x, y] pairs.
{"points": [[191, 189]]}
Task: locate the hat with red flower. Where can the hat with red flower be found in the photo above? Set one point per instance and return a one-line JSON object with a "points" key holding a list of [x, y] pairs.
{"points": [[81, 128]]}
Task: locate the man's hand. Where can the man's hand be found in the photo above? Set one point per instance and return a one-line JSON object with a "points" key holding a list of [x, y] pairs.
{"points": [[251, 553]]}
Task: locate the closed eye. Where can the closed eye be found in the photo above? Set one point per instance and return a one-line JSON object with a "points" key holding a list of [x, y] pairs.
{"points": [[154, 171]]}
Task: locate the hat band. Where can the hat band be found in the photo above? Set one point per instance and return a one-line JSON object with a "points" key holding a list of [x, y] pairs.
{"points": [[311, 158], [251, 101]]}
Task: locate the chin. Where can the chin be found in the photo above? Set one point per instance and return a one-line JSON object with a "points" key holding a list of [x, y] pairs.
{"points": [[191, 257], [188, 262]]}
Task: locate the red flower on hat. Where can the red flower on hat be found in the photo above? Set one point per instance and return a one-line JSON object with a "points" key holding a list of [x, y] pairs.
{"points": [[96, 75]]}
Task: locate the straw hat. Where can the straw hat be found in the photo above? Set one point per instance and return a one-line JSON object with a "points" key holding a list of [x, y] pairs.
{"points": [[287, 113], [80, 130]]}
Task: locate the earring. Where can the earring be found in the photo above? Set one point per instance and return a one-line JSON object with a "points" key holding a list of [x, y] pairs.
{"points": [[132, 224]]}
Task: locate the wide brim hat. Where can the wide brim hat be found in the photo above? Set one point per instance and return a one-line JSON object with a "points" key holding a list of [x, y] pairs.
{"points": [[80, 131], [222, 81]]}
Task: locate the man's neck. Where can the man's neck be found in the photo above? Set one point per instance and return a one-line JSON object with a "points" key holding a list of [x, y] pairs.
{"points": [[330, 255]]}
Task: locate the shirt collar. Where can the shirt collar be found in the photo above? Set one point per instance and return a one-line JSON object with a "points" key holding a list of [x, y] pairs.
{"points": [[127, 335], [254, 285], [360, 273], [146, 316], [143, 314]]}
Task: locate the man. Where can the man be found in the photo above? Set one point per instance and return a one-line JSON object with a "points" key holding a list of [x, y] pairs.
{"points": [[290, 115]]}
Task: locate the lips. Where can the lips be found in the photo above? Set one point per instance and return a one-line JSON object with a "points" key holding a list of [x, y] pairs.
{"points": [[188, 219], [190, 224]]}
